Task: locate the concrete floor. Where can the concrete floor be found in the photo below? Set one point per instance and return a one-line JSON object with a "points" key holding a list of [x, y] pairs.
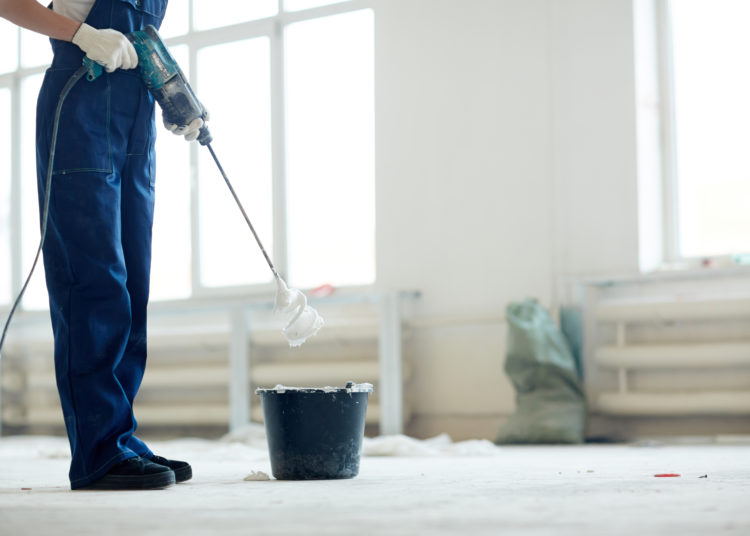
{"points": [[431, 488]]}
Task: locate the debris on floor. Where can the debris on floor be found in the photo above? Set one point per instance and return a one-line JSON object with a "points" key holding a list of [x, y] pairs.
{"points": [[257, 476]]}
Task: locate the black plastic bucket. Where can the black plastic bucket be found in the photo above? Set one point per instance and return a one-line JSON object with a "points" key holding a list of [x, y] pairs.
{"points": [[315, 433]]}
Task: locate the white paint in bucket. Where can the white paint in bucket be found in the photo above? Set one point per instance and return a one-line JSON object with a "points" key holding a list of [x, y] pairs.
{"points": [[351, 387]]}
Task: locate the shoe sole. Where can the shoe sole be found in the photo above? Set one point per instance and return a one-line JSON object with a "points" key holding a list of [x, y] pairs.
{"points": [[161, 480], [182, 474]]}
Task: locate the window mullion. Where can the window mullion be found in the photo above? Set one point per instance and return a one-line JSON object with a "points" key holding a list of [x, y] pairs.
{"points": [[15, 188], [195, 243], [19, 63], [278, 148], [668, 135], [197, 288], [15, 173], [289, 17], [191, 20]]}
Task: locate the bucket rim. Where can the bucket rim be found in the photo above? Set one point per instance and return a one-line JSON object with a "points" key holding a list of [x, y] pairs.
{"points": [[351, 387]]}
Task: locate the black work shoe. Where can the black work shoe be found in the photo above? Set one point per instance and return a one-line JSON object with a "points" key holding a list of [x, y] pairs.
{"points": [[135, 473], [182, 470]]}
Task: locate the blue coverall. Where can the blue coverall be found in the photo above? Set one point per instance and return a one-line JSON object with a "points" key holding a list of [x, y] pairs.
{"points": [[97, 252]]}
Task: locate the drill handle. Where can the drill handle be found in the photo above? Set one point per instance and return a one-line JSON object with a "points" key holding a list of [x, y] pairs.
{"points": [[94, 69]]}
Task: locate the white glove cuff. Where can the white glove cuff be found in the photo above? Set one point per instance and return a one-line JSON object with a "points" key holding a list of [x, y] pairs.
{"points": [[84, 36]]}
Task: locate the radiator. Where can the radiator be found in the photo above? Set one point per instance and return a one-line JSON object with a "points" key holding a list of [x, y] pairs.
{"points": [[669, 346], [200, 358]]}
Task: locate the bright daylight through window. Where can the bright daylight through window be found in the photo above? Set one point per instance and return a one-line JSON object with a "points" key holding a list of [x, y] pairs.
{"points": [[711, 81], [289, 88]]}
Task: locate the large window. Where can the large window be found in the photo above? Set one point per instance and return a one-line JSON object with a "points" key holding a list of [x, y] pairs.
{"points": [[330, 136], [289, 86], [240, 105], [708, 191], [24, 59]]}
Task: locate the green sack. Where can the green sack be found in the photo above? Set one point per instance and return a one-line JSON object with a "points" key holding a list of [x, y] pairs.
{"points": [[549, 396]]}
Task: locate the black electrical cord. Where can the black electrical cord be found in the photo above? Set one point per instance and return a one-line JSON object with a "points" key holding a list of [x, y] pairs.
{"points": [[47, 189]]}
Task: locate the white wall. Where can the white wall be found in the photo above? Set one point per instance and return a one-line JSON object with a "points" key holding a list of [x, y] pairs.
{"points": [[593, 121], [506, 158]]}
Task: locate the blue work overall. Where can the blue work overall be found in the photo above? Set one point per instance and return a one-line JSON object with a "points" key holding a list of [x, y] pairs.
{"points": [[97, 251]]}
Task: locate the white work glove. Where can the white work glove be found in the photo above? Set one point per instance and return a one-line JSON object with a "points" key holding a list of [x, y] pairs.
{"points": [[190, 131], [108, 48]]}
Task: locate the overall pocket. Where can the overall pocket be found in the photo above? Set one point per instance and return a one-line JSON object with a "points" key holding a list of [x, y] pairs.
{"points": [[83, 142]]}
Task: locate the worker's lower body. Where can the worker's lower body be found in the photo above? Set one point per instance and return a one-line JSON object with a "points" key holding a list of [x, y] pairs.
{"points": [[97, 257], [97, 254]]}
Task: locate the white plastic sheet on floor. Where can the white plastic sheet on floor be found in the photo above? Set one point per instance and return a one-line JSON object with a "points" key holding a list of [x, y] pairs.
{"points": [[405, 486], [393, 445]]}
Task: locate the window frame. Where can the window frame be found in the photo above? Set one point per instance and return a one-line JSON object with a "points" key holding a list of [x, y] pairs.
{"points": [[13, 80], [670, 180], [672, 254], [273, 28]]}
